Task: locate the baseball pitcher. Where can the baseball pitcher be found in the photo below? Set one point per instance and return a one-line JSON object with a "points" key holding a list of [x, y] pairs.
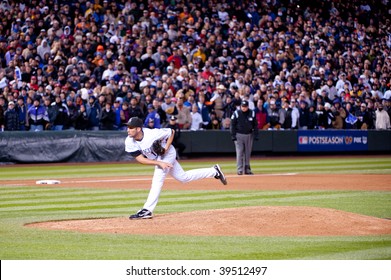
{"points": [[153, 147]]}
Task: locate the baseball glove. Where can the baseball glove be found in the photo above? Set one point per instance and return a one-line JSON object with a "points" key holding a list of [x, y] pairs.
{"points": [[157, 148]]}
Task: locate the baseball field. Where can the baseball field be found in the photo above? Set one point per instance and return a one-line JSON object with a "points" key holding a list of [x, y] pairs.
{"points": [[328, 208]]}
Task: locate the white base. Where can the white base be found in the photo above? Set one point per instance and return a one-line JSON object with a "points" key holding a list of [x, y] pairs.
{"points": [[47, 182]]}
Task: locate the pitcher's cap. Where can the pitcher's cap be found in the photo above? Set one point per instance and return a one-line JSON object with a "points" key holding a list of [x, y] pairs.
{"points": [[135, 122]]}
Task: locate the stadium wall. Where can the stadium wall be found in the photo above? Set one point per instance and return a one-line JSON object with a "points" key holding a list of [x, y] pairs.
{"points": [[95, 146]]}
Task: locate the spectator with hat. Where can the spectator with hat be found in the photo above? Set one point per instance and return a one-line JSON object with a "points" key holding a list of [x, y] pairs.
{"points": [[117, 110], [216, 102], [364, 120], [274, 116], [149, 123], [93, 111], [169, 106], [244, 130], [339, 114], [152, 116]]}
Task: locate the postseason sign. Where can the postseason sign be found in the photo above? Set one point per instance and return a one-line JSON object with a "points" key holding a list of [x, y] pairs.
{"points": [[332, 140]]}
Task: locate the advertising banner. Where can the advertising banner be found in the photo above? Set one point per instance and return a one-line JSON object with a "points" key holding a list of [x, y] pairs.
{"points": [[332, 140]]}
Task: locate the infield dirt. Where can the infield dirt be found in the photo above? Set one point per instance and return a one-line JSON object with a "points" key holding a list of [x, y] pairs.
{"points": [[257, 221]]}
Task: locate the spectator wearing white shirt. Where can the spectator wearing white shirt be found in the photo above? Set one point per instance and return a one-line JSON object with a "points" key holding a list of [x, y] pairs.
{"points": [[109, 72], [342, 81], [196, 118], [267, 60], [387, 94], [223, 15], [295, 114], [382, 118], [330, 89]]}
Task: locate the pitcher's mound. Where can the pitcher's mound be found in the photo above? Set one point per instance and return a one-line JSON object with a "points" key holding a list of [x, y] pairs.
{"points": [[244, 221]]}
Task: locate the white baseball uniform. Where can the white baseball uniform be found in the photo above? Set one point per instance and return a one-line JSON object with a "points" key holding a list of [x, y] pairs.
{"points": [[144, 147]]}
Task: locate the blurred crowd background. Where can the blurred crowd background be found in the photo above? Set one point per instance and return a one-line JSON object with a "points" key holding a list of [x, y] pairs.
{"points": [[91, 65]]}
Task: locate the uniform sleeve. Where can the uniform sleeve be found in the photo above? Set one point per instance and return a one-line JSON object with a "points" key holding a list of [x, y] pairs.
{"points": [[164, 133], [131, 147], [234, 122], [135, 154]]}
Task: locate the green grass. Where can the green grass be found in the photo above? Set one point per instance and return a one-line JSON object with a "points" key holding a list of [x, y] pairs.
{"points": [[31, 203], [350, 165]]}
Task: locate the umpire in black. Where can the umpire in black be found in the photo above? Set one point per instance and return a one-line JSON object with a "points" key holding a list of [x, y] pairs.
{"points": [[244, 130]]}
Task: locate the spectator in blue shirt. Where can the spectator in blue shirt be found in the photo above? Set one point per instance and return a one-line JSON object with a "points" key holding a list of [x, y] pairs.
{"points": [[37, 116], [154, 116]]}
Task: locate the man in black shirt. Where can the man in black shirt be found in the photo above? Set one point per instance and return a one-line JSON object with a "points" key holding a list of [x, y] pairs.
{"points": [[244, 129]]}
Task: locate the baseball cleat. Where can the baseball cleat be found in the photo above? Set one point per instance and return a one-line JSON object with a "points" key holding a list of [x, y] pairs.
{"points": [[141, 214], [220, 174]]}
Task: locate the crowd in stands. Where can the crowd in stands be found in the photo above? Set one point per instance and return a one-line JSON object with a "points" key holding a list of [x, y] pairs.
{"points": [[92, 65]]}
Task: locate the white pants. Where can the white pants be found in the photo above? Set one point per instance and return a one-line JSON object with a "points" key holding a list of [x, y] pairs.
{"points": [[177, 172]]}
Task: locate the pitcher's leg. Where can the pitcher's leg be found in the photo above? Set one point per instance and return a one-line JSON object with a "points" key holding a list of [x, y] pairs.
{"points": [[191, 175], [157, 183]]}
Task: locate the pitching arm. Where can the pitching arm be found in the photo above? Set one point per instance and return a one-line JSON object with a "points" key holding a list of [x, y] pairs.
{"points": [[170, 139], [143, 160]]}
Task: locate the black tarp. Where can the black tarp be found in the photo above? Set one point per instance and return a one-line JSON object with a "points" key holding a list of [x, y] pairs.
{"points": [[62, 146], [109, 146]]}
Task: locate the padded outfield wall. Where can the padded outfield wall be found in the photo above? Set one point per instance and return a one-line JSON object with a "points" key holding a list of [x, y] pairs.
{"points": [[95, 146]]}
